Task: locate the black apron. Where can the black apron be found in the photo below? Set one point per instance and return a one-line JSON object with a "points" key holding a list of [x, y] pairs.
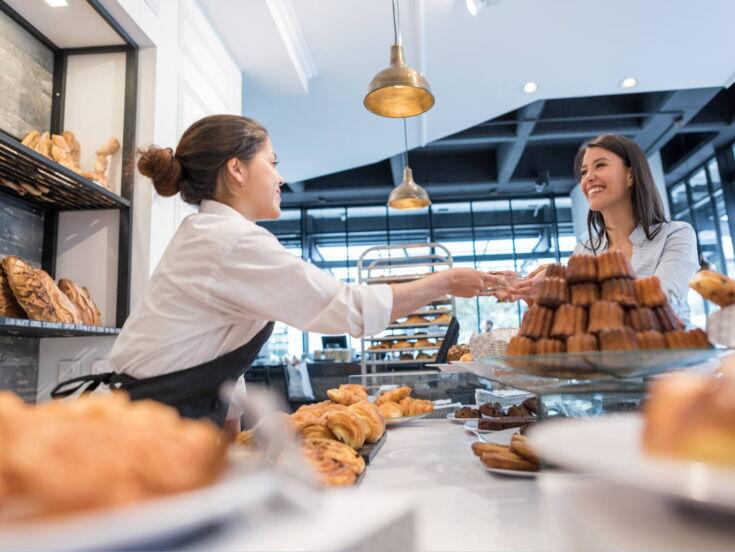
{"points": [[194, 392]]}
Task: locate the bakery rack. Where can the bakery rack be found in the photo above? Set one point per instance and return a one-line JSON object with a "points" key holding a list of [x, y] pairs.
{"points": [[385, 264], [32, 182]]}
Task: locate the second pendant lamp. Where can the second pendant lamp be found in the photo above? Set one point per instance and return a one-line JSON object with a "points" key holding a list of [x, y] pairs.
{"points": [[408, 195], [399, 90]]}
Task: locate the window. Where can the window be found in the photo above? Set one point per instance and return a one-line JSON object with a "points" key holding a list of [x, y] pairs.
{"points": [[491, 235], [699, 201]]}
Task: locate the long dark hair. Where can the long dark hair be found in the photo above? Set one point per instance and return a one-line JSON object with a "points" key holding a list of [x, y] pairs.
{"points": [[200, 157], [648, 211]]}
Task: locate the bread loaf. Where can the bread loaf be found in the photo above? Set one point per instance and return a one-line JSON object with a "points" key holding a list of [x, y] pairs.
{"points": [[37, 293], [8, 304], [82, 301]]}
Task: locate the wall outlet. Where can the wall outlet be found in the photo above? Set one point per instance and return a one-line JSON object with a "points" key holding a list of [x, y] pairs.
{"points": [[69, 369]]}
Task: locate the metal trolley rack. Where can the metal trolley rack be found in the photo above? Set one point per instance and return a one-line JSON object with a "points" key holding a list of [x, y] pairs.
{"points": [[420, 334]]}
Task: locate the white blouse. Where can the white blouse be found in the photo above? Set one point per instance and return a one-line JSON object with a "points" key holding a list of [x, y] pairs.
{"points": [[671, 255], [221, 279]]}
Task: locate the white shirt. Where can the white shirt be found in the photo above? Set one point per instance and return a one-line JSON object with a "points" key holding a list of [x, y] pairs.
{"points": [[221, 279], [671, 255]]}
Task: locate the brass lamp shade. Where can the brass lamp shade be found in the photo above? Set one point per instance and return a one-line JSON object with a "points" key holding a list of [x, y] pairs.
{"points": [[408, 195], [398, 91]]}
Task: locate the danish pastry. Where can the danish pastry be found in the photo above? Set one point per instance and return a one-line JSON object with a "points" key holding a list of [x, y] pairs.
{"points": [[414, 320], [309, 426], [371, 418], [354, 387], [442, 319], [340, 452], [347, 427], [328, 471]]}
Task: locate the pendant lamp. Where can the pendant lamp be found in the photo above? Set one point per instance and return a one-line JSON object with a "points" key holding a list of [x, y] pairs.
{"points": [[408, 195], [398, 91]]}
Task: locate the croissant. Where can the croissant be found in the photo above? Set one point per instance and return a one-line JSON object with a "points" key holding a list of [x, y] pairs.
{"points": [[390, 410], [347, 427], [101, 164], [356, 387], [328, 471], [43, 146], [394, 395], [74, 148], [309, 426], [371, 418], [320, 408], [339, 452], [345, 397], [416, 407]]}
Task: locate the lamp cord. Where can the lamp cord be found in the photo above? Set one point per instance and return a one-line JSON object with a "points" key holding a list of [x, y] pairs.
{"points": [[396, 23], [405, 144]]}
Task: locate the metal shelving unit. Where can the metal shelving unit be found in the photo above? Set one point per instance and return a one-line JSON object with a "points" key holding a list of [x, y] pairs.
{"points": [[398, 264], [22, 327], [30, 181]]}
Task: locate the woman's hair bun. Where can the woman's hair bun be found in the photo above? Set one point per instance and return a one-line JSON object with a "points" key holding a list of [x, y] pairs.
{"points": [[160, 165]]}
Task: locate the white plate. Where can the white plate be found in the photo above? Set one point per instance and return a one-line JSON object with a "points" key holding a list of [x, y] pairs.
{"points": [[404, 419], [145, 523], [503, 437], [610, 446], [512, 473]]}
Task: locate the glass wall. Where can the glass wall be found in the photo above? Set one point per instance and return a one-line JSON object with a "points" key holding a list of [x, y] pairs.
{"points": [[699, 201], [507, 234]]}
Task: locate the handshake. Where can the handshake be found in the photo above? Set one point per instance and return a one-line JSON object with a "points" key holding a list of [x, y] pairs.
{"points": [[506, 285]]}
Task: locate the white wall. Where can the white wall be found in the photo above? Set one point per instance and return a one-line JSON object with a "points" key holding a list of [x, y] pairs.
{"points": [[184, 73]]}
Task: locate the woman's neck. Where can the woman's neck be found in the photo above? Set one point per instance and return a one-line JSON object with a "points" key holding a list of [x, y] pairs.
{"points": [[619, 224]]}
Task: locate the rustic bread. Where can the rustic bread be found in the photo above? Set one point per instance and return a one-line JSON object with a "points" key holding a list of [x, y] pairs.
{"points": [[8, 304], [82, 301], [37, 293]]}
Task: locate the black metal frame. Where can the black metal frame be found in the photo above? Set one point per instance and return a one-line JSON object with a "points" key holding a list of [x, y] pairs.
{"points": [[124, 203]]}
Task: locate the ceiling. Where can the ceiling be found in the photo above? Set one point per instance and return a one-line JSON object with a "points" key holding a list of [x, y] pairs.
{"points": [[61, 25], [306, 65], [530, 151]]}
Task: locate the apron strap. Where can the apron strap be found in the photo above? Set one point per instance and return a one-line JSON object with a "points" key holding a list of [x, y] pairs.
{"points": [[93, 381]]}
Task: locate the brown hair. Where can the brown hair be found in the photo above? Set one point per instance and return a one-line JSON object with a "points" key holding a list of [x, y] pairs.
{"points": [[648, 210], [200, 157]]}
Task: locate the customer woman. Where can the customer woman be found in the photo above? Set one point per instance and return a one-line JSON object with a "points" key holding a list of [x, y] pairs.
{"points": [[223, 280], [626, 214]]}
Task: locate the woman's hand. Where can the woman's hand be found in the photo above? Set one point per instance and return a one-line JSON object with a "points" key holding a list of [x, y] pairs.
{"points": [[528, 288]]}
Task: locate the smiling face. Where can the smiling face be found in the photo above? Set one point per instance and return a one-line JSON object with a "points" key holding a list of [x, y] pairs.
{"points": [[605, 180], [255, 185]]}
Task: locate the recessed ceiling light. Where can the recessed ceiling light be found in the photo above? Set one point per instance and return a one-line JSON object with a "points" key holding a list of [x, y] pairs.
{"points": [[530, 87], [630, 82], [474, 6], [57, 3]]}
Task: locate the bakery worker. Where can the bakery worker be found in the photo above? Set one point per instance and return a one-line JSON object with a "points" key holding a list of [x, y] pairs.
{"points": [[222, 281]]}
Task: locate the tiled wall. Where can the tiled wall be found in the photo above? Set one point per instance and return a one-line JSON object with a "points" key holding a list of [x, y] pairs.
{"points": [[26, 78], [21, 234]]}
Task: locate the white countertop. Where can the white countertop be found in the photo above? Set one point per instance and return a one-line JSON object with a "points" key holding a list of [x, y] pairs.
{"points": [[427, 467], [461, 506]]}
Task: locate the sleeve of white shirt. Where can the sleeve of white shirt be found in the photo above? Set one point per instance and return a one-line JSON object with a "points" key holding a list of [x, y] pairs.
{"points": [[262, 280], [678, 263]]}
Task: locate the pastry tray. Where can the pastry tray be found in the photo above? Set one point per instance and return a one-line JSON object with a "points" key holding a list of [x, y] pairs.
{"points": [[596, 372], [370, 450]]}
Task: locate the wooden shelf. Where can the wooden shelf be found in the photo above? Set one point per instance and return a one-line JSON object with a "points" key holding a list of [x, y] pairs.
{"points": [[20, 327], [61, 188]]}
